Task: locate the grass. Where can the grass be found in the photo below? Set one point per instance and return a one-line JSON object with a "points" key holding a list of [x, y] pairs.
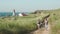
{"points": [[18, 25], [23, 25], [55, 21]]}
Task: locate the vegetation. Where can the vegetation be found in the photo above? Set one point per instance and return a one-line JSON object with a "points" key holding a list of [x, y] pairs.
{"points": [[54, 21], [19, 25]]}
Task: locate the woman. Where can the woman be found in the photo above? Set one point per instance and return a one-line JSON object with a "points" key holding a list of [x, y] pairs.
{"points": [[46, 23]]}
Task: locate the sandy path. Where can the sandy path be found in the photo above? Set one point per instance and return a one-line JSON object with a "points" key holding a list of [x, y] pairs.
{"points": [[37, 32], [46, 31], [42, 31]]}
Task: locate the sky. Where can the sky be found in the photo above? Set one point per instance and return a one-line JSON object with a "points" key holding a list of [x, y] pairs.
{"points": [[28, 5]]}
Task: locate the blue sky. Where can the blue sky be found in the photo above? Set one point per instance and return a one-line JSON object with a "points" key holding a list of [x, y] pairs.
{"points": [[28, 5]]}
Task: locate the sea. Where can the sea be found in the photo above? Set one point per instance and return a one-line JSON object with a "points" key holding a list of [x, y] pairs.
{"points": [[3, 14]]}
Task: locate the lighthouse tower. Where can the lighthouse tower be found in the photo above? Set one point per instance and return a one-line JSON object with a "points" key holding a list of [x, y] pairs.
{"points": [[14, 14]]}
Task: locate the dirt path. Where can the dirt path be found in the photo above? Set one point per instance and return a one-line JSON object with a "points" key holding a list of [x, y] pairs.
{"points": [[42, 31], [46, 31]]}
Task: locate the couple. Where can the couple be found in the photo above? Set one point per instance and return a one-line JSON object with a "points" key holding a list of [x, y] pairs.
{"points": [[41, 24]]}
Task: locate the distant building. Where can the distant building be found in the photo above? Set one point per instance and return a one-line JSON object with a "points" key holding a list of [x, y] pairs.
{"points": [[22, 14]]}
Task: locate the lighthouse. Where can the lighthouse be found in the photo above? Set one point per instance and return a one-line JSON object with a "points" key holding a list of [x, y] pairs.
{"points": [[14, 14]]}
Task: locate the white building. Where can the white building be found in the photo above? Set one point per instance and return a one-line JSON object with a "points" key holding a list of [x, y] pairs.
{"points": [[20, 14]]}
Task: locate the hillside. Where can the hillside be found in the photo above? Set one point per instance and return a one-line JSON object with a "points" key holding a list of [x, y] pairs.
{"points": [[54, 20], [19, 25], [27, 24]]}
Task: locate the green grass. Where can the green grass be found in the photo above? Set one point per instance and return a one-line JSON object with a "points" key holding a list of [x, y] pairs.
{"points": [[21, 25], [55, 21], [18, 25]]}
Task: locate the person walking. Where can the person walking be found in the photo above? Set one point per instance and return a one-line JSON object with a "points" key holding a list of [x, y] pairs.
{"points": [[38, 23], [46, 24]]}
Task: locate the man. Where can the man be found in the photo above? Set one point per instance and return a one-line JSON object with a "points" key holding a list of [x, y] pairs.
{"points": [[39, 23]]}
